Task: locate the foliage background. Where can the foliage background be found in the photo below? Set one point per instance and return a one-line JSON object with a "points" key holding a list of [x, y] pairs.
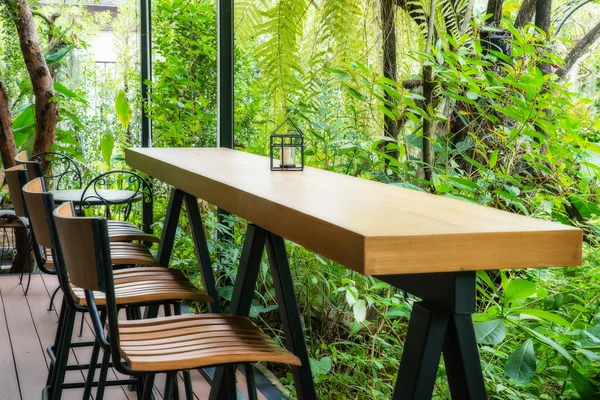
{"points": [[506, 135]]}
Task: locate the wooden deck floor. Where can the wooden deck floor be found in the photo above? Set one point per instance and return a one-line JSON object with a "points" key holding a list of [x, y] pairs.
{"points": [[27, 329]]}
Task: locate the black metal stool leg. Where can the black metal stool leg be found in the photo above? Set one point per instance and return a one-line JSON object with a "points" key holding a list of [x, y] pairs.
{"points": [[187, 381], [250, 382], [57, 338], [62, 354], [103, 373], [28, 261], [51, 306], [148, 387], [82, 322], [91, 372], [170, 385]]}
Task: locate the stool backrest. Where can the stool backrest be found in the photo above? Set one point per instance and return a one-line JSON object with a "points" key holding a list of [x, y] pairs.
{"points": [[84, 246], [37, 201], [34, 168], [16, 177]]}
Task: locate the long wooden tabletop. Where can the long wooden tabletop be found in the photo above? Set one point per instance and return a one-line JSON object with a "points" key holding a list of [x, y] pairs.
{"points": [[371, 227]]}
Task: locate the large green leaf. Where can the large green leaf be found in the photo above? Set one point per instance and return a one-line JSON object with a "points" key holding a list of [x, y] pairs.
{"points": [[490, 332], [107, 145], [25, 119], [123, 109], [518, 289], [59, 55], [521, 364]]}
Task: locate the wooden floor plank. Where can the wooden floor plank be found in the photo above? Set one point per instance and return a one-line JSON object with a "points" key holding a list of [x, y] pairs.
{"points": [[27, 350], [8, 375]]}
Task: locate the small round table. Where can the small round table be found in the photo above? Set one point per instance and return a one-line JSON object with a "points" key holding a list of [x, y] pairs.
{"points": [[110, 196]]}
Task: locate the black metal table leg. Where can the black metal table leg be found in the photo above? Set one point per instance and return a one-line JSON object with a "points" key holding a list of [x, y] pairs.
{"points": [[441, 323], [290, 315], [202, 253], [461, 357], [167, 238], [223, 385], [422, 352]]}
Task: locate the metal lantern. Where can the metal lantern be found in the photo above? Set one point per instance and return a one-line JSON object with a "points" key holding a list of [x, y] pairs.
{"points": [[287, 147]]}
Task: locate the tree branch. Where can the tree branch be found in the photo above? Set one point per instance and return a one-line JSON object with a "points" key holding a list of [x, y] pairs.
{"points": [[579, 49]]}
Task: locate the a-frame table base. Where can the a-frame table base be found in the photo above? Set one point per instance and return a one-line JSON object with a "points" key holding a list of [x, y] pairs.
{"points": [[440, 324]]}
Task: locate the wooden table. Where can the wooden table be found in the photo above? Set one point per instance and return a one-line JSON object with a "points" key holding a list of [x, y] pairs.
{"points": [[428, 245]]}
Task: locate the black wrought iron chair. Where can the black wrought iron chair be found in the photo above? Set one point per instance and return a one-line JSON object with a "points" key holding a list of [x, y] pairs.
{"points": [[114, 194], [60, 172], [135, 287], [158, 345]]}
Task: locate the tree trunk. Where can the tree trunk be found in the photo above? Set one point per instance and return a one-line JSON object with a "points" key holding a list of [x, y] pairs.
{"points": [[8, 151], [543, 15], [388, 20], [580, 48], [46, 110], [525, 13], [8, 148], [494, 7]]}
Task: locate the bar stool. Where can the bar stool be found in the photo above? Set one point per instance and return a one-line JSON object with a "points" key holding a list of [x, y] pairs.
{"points": [[134, 287], [158, 345], [16, 177]]}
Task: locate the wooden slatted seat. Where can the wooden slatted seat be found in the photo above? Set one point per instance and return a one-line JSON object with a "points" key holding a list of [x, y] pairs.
{"points": [[137, 285], [123, 231], [192, 341], [49, 259]]}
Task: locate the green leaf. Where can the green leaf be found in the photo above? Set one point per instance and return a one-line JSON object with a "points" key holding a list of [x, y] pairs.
{"points": [[68, 93], [107, 145], [360, 310], [518, 289], [25, 119], [483, 275], [521, 364], [551, 343], [493, 158], [59, 55], [320, 367], [546, 315], [123, 109], [584, 387], [490, 332]]}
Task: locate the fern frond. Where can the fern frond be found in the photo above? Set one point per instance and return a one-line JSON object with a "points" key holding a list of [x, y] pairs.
{"points": [[249, 15], [279, 52]]}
